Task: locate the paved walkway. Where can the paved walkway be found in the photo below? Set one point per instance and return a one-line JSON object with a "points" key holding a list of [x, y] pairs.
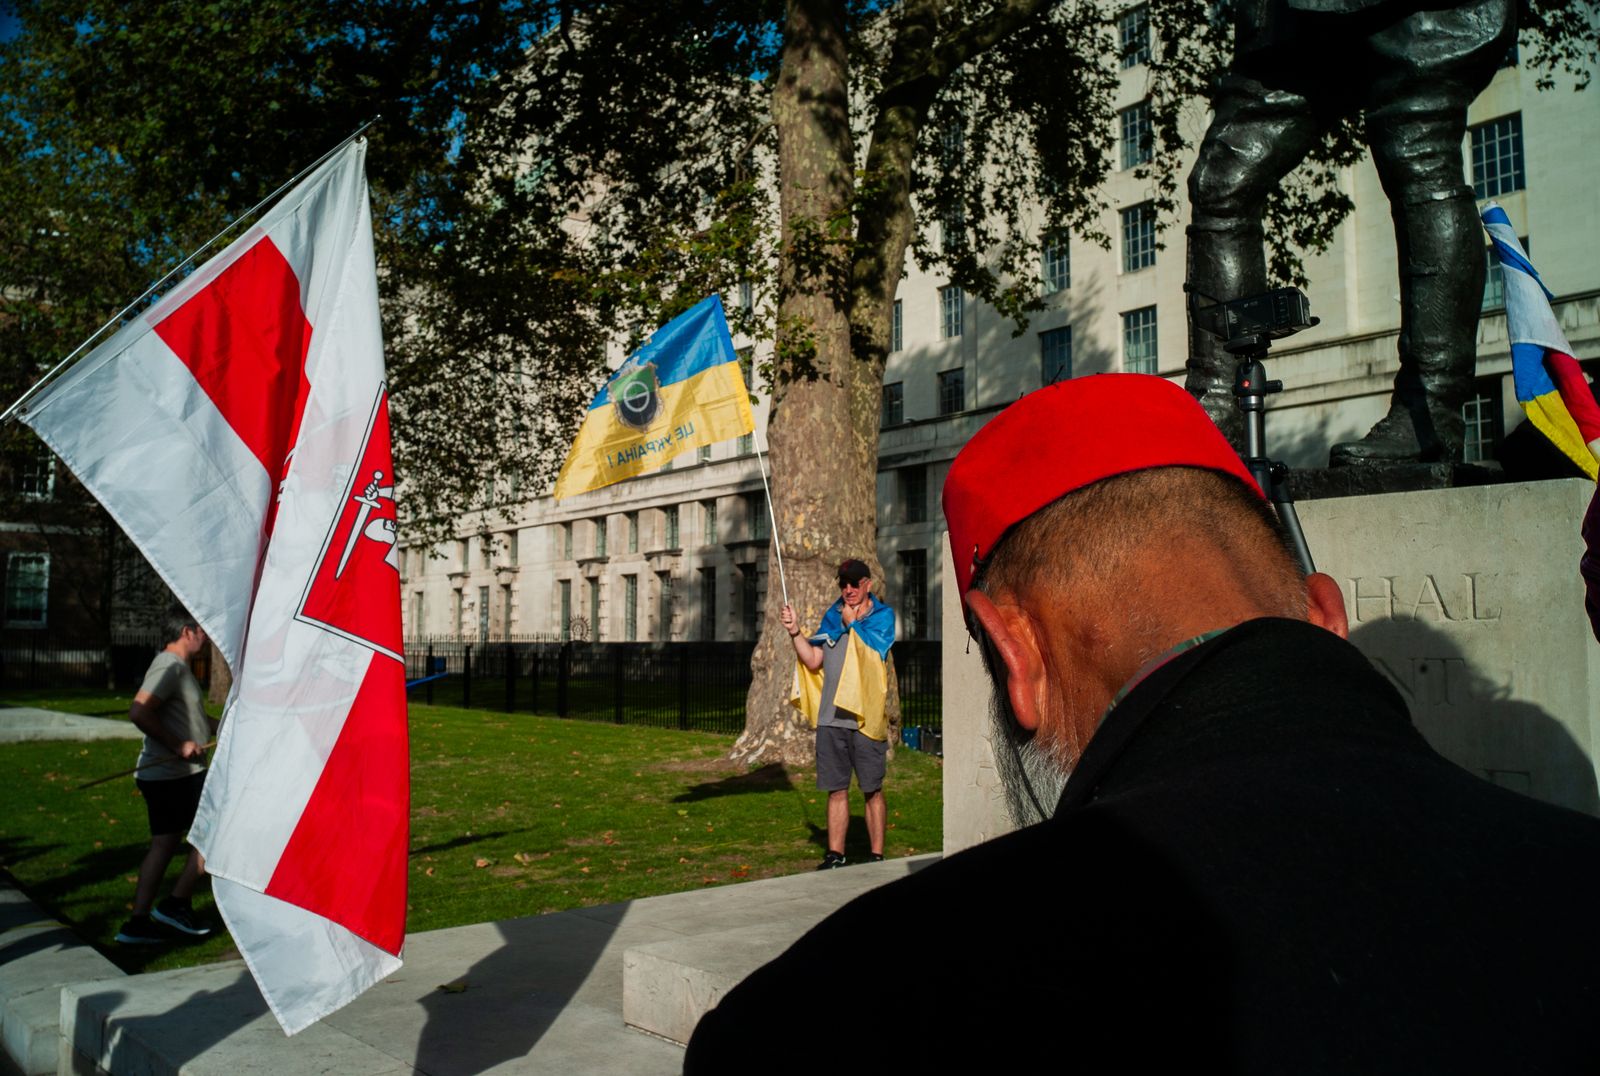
{"points": [[550, 994], [18, 723]]}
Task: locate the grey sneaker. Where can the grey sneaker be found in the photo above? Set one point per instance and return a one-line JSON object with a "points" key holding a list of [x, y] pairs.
{"points": [[140, 931], [179, 916]]}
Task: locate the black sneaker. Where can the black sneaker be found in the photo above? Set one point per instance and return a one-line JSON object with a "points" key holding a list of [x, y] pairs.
{"points": [[140, 931], [876, 857], [831, 860], [179, 916]]}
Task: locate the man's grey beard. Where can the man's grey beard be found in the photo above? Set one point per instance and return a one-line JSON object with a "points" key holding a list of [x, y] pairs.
{"points": [[1032, 779]]}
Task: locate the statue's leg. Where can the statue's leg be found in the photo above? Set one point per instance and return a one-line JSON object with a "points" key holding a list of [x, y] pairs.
{"points": [[1415, 126], [1256, 137]]}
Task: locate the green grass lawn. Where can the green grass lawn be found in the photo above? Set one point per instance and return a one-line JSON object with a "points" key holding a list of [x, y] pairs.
{"points": [[512, 815]]}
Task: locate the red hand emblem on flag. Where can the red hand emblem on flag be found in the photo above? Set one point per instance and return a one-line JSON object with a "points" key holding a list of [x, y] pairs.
{"points": [[355, 590]]}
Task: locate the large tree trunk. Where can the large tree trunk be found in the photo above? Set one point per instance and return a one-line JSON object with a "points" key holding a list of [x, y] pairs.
{"points": [[836, 288], [822, 433]]}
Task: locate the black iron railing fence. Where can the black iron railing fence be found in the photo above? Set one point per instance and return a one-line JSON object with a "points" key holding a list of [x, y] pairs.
{"points": [[699, 686], [38, 660]]}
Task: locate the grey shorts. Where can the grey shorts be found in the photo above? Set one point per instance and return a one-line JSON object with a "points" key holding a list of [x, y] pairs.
{"points": [[840, 750]]}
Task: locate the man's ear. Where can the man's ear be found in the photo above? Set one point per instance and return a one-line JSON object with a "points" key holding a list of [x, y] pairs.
{"points": [[1011, 632], [1325, 605]]}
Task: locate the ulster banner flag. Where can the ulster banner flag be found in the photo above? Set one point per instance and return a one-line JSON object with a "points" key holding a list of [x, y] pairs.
{"points": [[238, 431]]}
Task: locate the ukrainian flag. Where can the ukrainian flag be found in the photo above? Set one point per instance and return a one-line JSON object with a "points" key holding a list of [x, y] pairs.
{"points": [[679, 391], [1550, 386]]}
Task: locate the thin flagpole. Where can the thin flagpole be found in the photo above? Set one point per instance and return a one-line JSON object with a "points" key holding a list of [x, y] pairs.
{"points": [[776, 544], [230, 226]]}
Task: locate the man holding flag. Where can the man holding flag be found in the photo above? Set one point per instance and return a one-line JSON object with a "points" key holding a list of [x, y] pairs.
{"points": [[840, 684]]}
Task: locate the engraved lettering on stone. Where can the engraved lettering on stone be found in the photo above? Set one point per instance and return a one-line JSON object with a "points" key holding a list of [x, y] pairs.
{"points": [[1385, 599], [1479, 612]]}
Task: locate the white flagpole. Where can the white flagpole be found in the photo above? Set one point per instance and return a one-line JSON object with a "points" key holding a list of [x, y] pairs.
{"points": [[776, 544], [207, 245]]}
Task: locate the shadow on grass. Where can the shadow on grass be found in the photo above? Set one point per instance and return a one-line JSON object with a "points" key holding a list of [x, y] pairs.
{"points": [[464, 840], [857, 845], [14, 850], [772, 777]]}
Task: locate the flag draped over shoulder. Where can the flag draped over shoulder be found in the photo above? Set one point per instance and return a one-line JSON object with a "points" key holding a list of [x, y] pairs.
{"points": [[238, 431], [682, 389], [1550, 386]]}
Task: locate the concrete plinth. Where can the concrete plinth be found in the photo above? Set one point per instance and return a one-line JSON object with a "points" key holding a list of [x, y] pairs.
{"points": [[1467, 599]]}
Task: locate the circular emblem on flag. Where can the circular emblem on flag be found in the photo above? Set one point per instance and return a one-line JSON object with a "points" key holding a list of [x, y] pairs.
{"points": [[636, 395]]}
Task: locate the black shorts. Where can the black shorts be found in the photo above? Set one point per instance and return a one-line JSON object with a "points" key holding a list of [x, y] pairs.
{"points": [[840, 750], [171, 804]]}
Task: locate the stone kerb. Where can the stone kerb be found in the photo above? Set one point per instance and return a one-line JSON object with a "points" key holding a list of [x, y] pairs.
{"points": [[1468, 600]]}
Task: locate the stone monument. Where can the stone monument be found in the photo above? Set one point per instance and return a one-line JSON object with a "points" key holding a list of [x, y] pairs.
{"points": [[1467, 599]]}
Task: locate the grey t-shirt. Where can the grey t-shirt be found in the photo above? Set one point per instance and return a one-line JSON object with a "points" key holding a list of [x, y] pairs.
{"points": [[182, 713], [832, 666]]}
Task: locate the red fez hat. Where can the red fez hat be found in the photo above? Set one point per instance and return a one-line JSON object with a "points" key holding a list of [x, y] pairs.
{"points": [[1066, 436]]}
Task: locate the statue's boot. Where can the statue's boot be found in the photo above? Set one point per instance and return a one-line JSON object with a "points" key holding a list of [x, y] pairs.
{"points": [[1416, 144]]}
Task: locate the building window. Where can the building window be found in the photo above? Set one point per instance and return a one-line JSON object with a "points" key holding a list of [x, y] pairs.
{"points": [[566, 540], [456, 612], [27, 590], [952, 146], [705, 454], [1494, 280], [914, 592], [894, 404], [1481, 419], [708, 604], [633, 532], [950, 311], [1137, 139], [710, 509], [1497, 157], [1133, 36], [483, 614], [1055, 270], [950, 229], [512, 543], [914, 494], [594, 610], [462, 562], [505, 611], [747, 358], [750, 601], [1055, 355], [670, 519], [1139, 341], [600, 537], [746, 444], [755, 510], [419, 619], [952, 391], [664, 602], [36, 476], [1138, 237], [485, 551], [630, 608], [897, 336], [747, 295]]}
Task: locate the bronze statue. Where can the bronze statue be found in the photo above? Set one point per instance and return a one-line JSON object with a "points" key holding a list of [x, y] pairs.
{"points": [[1409, 69]]}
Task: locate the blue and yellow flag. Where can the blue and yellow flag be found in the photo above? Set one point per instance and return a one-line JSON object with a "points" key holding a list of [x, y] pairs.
{"points": [[679, 391]]}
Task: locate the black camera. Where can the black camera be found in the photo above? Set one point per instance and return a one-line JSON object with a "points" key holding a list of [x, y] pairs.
{"points": [[1271, 315]]}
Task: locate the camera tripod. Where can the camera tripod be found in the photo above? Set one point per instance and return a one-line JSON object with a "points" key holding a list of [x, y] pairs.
{"points": [[1250, 391]]}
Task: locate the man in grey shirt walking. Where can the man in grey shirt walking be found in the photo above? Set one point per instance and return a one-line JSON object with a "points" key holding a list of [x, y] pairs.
{"points": [[169, 709]]}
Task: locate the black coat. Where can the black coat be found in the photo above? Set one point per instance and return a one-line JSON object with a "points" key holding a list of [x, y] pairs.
{"points": [[1258, 866]]}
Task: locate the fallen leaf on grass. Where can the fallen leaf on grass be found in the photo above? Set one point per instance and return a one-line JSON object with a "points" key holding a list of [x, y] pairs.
{"points": [[523, 857], [681, 859], [454, 986], [481, 862], [583, 870]]}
